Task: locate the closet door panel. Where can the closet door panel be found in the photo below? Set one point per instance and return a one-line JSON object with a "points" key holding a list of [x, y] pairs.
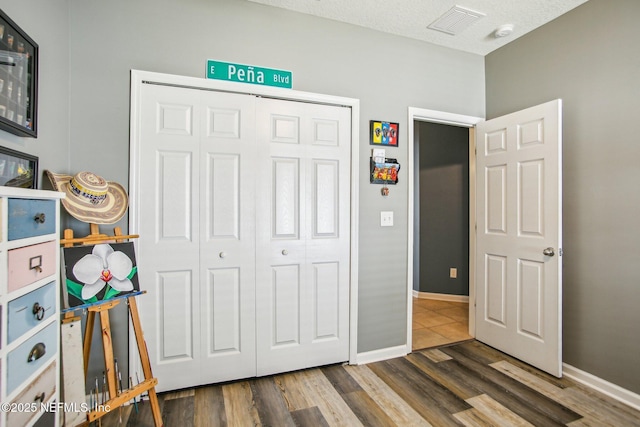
{"points": [[302, 222], [175, 302], [174, 196], [326, 301], [223, 221], [285, 206], [227, 246], [325, 198], [224, 316], [285, 291], [168, 223]]}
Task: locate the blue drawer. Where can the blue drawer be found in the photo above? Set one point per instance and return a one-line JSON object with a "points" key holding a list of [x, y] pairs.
{"points": [[28, 218], [24, 314], [20, 366]]}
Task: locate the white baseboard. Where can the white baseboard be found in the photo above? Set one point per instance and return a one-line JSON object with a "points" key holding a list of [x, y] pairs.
{"points": [[441, 297], [623, 395], [382, 354]]}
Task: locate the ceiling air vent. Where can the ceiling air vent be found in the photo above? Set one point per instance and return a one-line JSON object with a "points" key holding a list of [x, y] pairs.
{"points": [[455, 20]]}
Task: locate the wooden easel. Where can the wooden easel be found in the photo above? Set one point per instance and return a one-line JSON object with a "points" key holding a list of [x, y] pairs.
{"points": [[116, 399]]}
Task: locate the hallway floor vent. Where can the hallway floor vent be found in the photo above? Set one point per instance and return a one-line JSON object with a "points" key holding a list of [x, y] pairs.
{"points": [[455, 20]]}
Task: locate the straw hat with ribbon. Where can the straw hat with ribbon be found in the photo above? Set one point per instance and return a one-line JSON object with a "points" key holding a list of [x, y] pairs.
{"points": [[90, 198]]}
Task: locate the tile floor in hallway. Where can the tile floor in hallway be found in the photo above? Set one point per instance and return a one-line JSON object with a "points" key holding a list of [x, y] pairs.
{"points": [[439, 322]]}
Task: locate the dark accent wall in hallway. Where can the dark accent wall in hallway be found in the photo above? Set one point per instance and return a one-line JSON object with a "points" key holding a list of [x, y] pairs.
{"points": [[443, 188]]}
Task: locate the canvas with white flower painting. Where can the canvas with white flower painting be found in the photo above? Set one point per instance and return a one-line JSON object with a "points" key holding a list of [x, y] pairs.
{"points": [[98, 273]]}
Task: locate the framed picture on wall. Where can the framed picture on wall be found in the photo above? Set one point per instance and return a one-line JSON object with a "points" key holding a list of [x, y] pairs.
{"points": [[18, 169], [383, 133], [18, 80]]}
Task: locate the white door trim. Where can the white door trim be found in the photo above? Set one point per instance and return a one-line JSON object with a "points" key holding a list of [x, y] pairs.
{"points": [[424, 115], [139, 77]]}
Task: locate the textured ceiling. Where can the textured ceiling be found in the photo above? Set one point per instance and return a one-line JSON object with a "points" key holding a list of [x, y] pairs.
{"points": [[410, 18]]}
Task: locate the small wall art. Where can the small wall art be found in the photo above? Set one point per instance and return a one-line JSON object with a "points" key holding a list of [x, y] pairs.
{"points": [[384, 133], [18, 80], [97, 273], [18, 169]]}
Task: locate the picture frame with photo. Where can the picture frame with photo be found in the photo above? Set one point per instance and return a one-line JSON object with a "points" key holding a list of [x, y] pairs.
{"points": [[384, 133], [18, 80], [18, 169]]}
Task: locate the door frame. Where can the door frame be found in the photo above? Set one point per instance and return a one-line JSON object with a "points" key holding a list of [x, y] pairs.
{"points": [[441, 117], [138, 78]]}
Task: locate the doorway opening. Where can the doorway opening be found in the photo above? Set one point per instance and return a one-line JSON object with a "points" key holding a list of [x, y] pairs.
{"points": [[440, 288]]}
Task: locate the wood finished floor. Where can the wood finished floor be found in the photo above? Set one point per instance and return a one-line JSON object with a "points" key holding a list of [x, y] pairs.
{"points": [[466, 384], [437, 323]]}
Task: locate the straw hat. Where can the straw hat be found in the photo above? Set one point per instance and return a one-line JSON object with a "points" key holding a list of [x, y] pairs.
{"points": [[90, 198]]}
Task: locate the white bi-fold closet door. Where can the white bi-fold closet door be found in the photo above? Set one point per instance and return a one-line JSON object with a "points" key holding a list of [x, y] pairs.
{"points": [[244, 210]]}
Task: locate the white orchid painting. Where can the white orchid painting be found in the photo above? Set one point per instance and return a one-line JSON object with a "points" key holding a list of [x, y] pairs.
{"points": [[98, 273]]}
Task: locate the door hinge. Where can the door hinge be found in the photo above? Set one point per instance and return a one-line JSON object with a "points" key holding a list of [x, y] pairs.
{"points": [[560, 252]]}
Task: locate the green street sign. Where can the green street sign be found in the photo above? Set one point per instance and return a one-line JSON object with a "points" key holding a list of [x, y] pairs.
{"points": [[248, 74]]}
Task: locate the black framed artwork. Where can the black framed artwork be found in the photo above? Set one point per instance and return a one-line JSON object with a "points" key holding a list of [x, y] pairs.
{"points": [[97, 273], [383, 133], [18, 169], [18, 80]]}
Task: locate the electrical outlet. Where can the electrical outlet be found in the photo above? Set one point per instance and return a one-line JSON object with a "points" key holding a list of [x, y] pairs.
{"points": [[386, 218], [453, 273]]}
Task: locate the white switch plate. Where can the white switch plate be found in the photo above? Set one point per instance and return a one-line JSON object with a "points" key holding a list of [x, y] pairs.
{"points": [[386, 218]]}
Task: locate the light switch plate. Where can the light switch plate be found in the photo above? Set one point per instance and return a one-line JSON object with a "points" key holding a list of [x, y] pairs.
{"points": [[386, 218]]}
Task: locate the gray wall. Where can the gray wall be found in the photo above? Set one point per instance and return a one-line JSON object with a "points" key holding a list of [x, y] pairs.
{"points": [[46, 22], [387, 73], [443, 181], [590, 58], [88, 48]]}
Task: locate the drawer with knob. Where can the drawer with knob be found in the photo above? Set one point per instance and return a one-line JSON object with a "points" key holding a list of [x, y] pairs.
{"points": [[30, 310], [37, 392], [29, 264], [29, 218], [28, 357]]}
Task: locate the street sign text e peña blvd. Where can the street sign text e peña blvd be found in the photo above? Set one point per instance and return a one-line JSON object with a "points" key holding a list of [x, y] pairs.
{"points": [[248, 74]]}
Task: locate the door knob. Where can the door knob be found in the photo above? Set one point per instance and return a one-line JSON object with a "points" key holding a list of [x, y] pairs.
{"points": [[548, 252]]}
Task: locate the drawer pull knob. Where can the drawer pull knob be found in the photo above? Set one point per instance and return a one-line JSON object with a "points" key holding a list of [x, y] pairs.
{"points": [[38, 311], [39, 397], [37, 352], [39, 218]]}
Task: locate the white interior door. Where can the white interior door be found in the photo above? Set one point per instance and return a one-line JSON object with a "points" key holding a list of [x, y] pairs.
{"points": [[196, 209], [519, 235], [170, 246], [227, 236], [303, 231]]}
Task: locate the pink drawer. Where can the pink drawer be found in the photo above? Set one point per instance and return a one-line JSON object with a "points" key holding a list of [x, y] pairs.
{"points": [[30, 263]]}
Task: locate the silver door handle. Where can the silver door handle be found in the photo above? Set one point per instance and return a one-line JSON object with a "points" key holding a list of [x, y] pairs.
{"points": [[548, 252]]}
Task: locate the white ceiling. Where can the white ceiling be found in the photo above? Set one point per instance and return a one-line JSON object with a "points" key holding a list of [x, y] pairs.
{"points": [[410, 18]]}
